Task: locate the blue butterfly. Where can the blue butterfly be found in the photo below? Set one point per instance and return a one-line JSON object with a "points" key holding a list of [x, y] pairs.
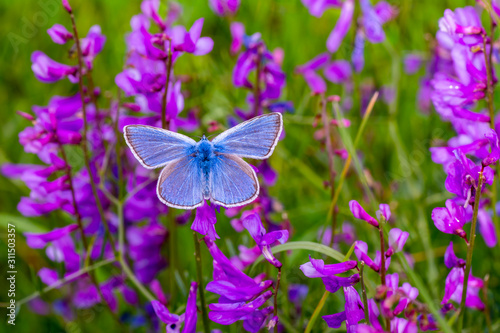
{"points": [[206, 170]]}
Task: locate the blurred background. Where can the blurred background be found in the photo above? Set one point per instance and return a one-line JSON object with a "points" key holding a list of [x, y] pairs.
{"points": [[394, 147]]}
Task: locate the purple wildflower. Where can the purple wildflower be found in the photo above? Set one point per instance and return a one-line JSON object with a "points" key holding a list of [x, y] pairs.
{"points": [[224, 7], [361, 251], [316, 268], [361, 214], [174, 321], [59, 34], [205, 220], [264, 240], [341, 27], [450, 219], [397, 239], [352, 314], [47, 70]]}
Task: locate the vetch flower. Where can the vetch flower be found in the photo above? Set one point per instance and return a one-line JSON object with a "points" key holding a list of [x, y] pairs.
{"points": [[450, 219], [38, 241], [316, 268], [317, 7], [59, 34], [190, 41], [361, 214], [341, 27], [232, 284], [48, 71], [361, 251], [352, 314], [264, 240], [224, 7], [253, 318], [173, 321], [205, 220], [397, 239]]}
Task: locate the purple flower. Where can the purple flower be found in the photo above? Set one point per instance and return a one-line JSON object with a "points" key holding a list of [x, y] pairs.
{"points": [[229, 282], [174, 321], [455, 281], [361, 251], [317, 7], [253, 318], [92, 45], [224, 7], [341, 27], [150, 9], [338, 71], [263, 239], [463, 177], [317, 268], [205, 220], [59, 34], [144, 249], [38, 241], [358, 52], [372, 23], [48, 71], [190, 41], [412, 63], [352, 314], [397, 239], [450, 219], [237, 34], [487, 228], [450, 259], [495, 149], [384, 211], [361, 214]]}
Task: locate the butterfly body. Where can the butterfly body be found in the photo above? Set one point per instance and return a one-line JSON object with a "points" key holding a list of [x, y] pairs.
{"points": [[206, 170]]}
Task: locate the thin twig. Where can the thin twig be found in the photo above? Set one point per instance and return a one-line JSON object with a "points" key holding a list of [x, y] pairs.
{"points": [[276, 298], [201, 289], [84, 137], [470, 249]]}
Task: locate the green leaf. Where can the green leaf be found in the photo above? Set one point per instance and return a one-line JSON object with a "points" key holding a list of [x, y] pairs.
{"points": [[22, 224], [304, 245]]}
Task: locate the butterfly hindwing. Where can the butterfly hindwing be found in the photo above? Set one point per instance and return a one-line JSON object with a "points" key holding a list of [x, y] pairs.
{"points": [[180, 184], [254, 138], [233, 182], [155, 147]]}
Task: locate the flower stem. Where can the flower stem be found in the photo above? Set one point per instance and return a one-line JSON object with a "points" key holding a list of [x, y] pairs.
{"points": [[201, 289], [470, 249], [66, 279], [73, 197], [168, 64], [84, 137], [382, 255], [121, 255], [363, 290], [276, 298], [315, 314]]}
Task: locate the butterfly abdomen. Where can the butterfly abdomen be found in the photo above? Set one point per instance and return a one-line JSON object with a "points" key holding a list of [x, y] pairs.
{"points": [[205, 155]]}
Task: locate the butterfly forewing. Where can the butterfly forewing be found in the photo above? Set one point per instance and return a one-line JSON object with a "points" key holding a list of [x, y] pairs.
{"points": [[180, 184], [155, 147], [254, 138], [233, 181]]}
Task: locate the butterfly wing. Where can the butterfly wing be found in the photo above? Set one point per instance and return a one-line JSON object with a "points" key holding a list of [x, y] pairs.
{"points": [[180, 184], [233, 182], [155, 147], [254, 138]]}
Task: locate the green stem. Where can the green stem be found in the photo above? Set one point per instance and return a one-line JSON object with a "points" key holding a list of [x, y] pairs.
{"points": [[123, 261], [363, 291], [316, 312], [347, 164], [470, 249], [486, 306], [84, 136], [276, 298], [168, 64], [201, 287], [68, 278]]}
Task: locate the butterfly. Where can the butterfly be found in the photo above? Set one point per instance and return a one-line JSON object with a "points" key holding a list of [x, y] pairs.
{"points": [[206, 170]]}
